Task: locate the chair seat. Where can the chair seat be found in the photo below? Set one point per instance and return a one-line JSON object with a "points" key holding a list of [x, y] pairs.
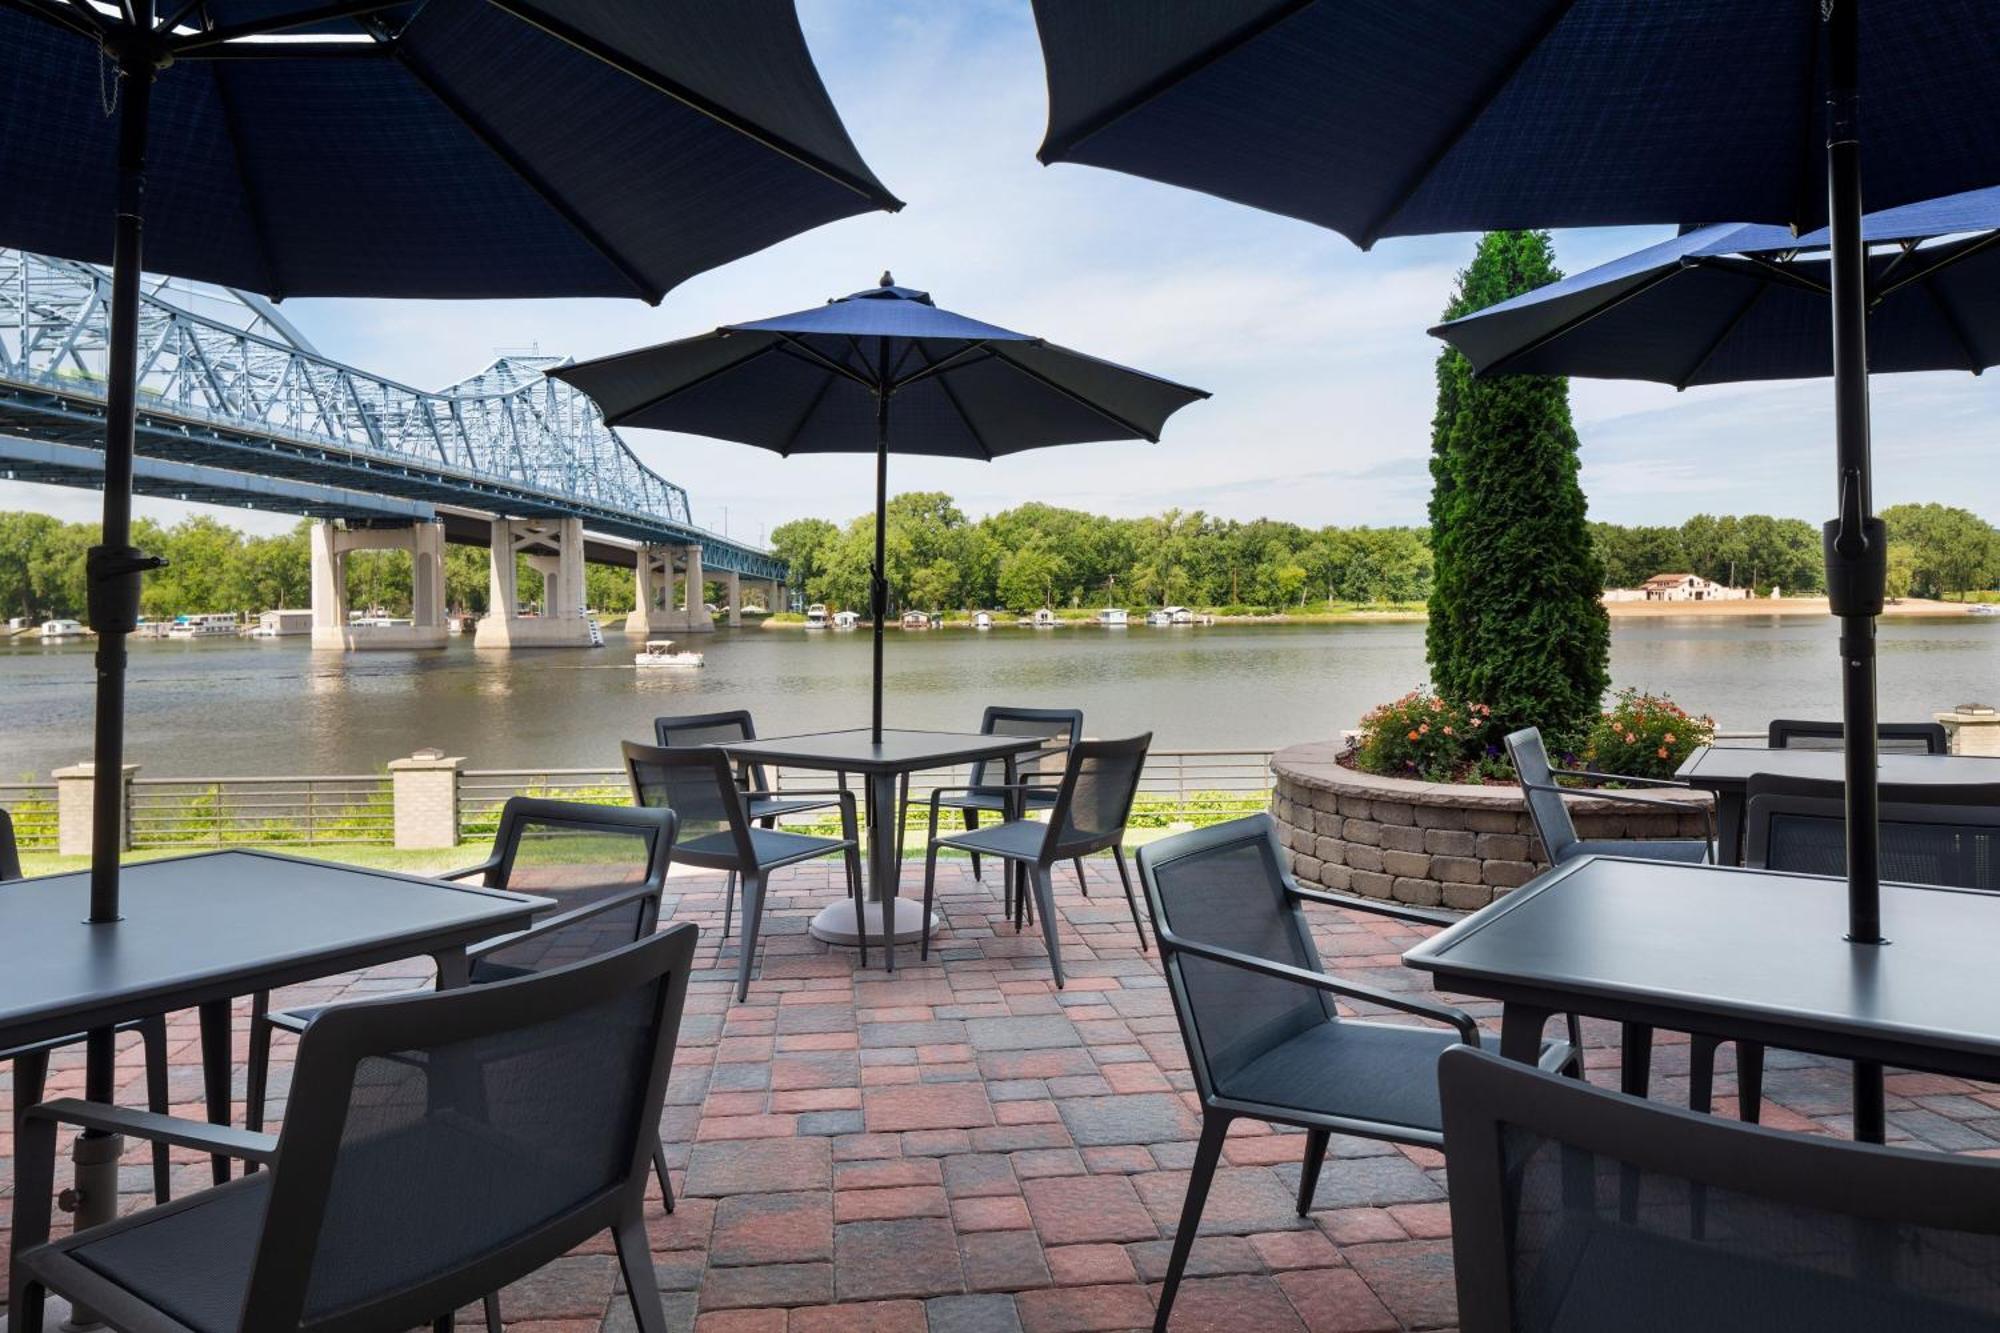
{"points": [[191, 1262], [1382, 1072], [1019, 840], [769, 846], [1598, 1274], [1037, 798], [773, 807], [1694, 851]]}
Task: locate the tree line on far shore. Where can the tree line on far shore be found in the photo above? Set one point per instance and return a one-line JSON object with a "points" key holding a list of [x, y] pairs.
{"points": [[1019, 559]]}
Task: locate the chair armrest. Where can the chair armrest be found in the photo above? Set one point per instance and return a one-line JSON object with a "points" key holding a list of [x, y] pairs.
{"points": [[1422, 916], [1353, 990], [562, 919], [149, 1125], [1590, 775], [491, 863], [789, 792]]}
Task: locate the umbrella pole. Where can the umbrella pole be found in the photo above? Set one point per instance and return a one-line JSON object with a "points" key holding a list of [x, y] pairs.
{"points": [[878, 584], [1856, 543]]}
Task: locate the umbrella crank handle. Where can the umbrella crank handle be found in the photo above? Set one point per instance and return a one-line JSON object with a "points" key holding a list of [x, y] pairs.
{"points": [[113, 596], [1856, 546]]}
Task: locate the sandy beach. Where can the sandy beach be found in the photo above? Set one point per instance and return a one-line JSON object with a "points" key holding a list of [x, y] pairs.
{"points": [[1779, 606]]}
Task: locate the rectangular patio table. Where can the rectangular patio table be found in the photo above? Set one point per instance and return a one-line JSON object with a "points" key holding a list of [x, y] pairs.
{"points": [[1751, 954], [201, 930], [882, 765], [1726, 771]]}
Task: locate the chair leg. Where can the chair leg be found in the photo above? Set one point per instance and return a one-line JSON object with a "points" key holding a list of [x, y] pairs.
{"points": [[930, 895], [1131, 899], [1316, 1141], [490, 1306], [856, 891], [1045, 889], [972, 825], [753, 917], [215, 1043], [1635, 1059], [1701, 1072], [27, 1308], [1749, 1081], [728, 900], [1082, 882], [1214, 1127], [445, 1322], [642, 1285], [660, 1170], [257, 1082], [159, 1100]]}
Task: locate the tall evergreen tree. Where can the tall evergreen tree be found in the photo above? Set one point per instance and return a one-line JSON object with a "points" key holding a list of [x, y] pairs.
{"points": [[1516, 620]]}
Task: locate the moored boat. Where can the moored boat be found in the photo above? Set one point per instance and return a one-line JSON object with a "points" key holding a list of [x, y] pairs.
{"points": [[663, 653]]}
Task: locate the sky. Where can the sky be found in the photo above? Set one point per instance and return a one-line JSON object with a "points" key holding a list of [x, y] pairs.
{"points": [[1315, 352]]}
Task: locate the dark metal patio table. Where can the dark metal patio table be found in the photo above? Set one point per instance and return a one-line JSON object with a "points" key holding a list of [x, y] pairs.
{"points": [[882, 765], [1753, 954], [1726, 771], [201, 930]]}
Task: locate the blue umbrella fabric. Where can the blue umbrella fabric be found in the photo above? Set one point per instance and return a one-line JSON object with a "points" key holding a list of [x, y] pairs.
{"points": [[881, 371], [1729, 303], [1406, 117]]}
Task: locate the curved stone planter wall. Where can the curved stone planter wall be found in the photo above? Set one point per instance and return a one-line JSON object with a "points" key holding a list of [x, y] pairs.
{"points": [[1433, 844]]}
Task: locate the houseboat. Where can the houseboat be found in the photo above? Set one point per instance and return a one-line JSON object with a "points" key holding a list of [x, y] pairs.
{"points": [[982, 620], [816, 616], [281, 624], [149, 628], [662, 653], [208, 625], [1044, 618], [1161, 616], [55, 631], [845, 619], [1113, 617], [916, 620]]}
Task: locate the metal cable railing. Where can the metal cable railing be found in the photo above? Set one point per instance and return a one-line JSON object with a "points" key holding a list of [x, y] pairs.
{"points": [[220, 812]]}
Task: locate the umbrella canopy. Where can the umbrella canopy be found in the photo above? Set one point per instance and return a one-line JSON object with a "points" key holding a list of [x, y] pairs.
{"points": [[881, 371], [1406, 117], [1730, 303], [1399, 117]]}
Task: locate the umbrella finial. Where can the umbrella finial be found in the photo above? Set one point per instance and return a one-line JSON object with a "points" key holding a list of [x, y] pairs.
{"points": [[888, 279]]}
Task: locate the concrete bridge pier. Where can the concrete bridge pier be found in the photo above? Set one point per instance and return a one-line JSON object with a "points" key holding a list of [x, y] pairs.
{"points": [[554, 547], [732, 597], [329, 547], [654, 611]]}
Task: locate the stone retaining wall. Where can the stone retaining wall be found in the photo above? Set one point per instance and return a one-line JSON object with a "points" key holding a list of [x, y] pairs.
{"points": [[1434, 844]]}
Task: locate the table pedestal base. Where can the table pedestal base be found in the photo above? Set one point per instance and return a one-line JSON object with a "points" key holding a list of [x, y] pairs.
{"points": [[835, 924]]}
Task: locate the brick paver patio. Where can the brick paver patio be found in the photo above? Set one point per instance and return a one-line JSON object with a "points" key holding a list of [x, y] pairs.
{"points": [[964, 1149]]}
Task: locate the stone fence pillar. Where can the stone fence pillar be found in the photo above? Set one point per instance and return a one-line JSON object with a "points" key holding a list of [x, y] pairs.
{"points": [[424, 789], [1973, 728], [75, 812]]}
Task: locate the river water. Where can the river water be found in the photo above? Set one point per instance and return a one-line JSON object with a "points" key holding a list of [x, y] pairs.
{"points": [[244, 708]]}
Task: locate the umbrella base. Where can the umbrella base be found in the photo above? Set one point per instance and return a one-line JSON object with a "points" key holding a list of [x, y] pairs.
{"points": [[835, 925]]}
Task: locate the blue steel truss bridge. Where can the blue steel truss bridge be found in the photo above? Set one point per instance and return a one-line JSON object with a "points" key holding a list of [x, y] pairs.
{"points": [[237, 408]]}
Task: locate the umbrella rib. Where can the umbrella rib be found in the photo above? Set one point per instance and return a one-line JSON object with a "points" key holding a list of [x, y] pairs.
{"points": [[1054, 148], [1955, 255], [1081, 401], [1959, 332], [951, 396], [252, 203], [1570, 326], [1715, 344], [644, 288], [872, 191], [648, 404], [1372, 232], [799, 426], [76, 18], [796, 346], [229, 32], [964, 356]]}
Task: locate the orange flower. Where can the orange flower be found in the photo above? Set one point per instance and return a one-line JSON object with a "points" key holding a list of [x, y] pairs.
{"points": [[1663, 752], [1412, 736], [1668, 738]]}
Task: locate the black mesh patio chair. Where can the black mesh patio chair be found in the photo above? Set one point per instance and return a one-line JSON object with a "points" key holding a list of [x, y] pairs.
{"points": [[1576, 1208], [31, 1062], [1890, 737], [1947, 834], [439, 1146], [717, 833], [605, 867], [1264, 1036], [1087, 814], [1040, 771]]}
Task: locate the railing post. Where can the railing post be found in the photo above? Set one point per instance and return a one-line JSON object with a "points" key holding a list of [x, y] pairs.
{"points": [[424, 791], [1973, 729], [75, 816]]}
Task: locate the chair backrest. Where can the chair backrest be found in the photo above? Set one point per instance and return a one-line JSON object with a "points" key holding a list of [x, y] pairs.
{"points": [[1545, 806], [1790, 733], [1059, 728], [605, 866], [699, 786], [1574, 1208], [712, 729], [1095, 799], [1947, 835], [439, 1145], [1225, 886], [10, 856]]}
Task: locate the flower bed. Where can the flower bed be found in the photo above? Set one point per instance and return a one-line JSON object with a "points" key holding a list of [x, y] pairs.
{"points": [[1434, 844]]}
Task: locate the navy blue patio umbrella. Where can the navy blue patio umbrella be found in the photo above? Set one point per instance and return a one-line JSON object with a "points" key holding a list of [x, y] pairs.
{"points": [[413, 148], [1401, 117], [881, 371], [1729, 303]]}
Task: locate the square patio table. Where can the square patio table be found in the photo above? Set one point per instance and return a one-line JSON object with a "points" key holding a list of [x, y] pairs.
{"points": [[882, 765], [201, 930], [1726, 771], [1753, 954]]}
